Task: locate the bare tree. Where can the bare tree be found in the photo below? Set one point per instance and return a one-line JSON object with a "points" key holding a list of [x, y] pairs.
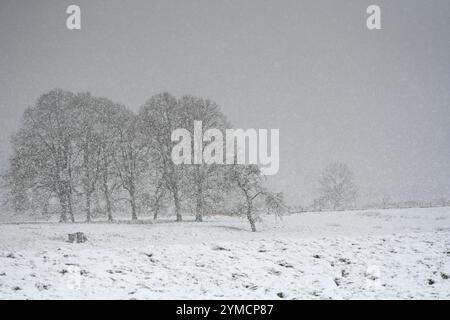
{"points": [[159, 117], [337, 187], [156, 202], [88, 142], [44, 149], [248, 180], [202, 178], [129, 158], [108, 120], [275, 204]]}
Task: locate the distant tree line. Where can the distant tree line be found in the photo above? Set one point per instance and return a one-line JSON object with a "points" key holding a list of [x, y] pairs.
{"points": [[91, 155]]}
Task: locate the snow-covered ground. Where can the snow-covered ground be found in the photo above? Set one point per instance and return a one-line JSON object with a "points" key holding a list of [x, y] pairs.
{"points": [[340, 255]]}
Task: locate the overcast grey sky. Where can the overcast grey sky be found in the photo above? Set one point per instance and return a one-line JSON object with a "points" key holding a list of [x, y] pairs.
{"points": [[377, 100]]}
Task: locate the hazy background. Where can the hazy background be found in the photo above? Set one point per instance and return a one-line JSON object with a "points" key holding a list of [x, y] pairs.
{"points": [[377, 100]]}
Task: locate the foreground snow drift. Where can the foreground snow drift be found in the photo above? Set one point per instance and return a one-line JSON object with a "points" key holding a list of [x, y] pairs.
{"points": [[340, 255]]}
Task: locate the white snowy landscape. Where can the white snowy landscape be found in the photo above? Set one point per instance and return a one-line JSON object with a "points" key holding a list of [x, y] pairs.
{"points": [[382, 254], [279, 150]]}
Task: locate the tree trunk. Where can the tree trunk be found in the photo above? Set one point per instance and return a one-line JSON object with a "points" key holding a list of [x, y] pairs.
{"points": [[108, 205], [69, 202], [133, 206], [88, 207], [106, 189], [250, 217], [45, 207], [156, 205], [69, 195], [63, 215], [198, 216], [199, 209], [199, 204], [177, 207]]}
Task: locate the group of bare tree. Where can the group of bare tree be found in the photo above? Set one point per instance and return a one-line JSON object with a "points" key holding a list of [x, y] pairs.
{"points": [[90, 153]]}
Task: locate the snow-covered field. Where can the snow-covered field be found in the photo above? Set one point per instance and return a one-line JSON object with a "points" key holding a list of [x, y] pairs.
{"points": [[401, 254]]}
